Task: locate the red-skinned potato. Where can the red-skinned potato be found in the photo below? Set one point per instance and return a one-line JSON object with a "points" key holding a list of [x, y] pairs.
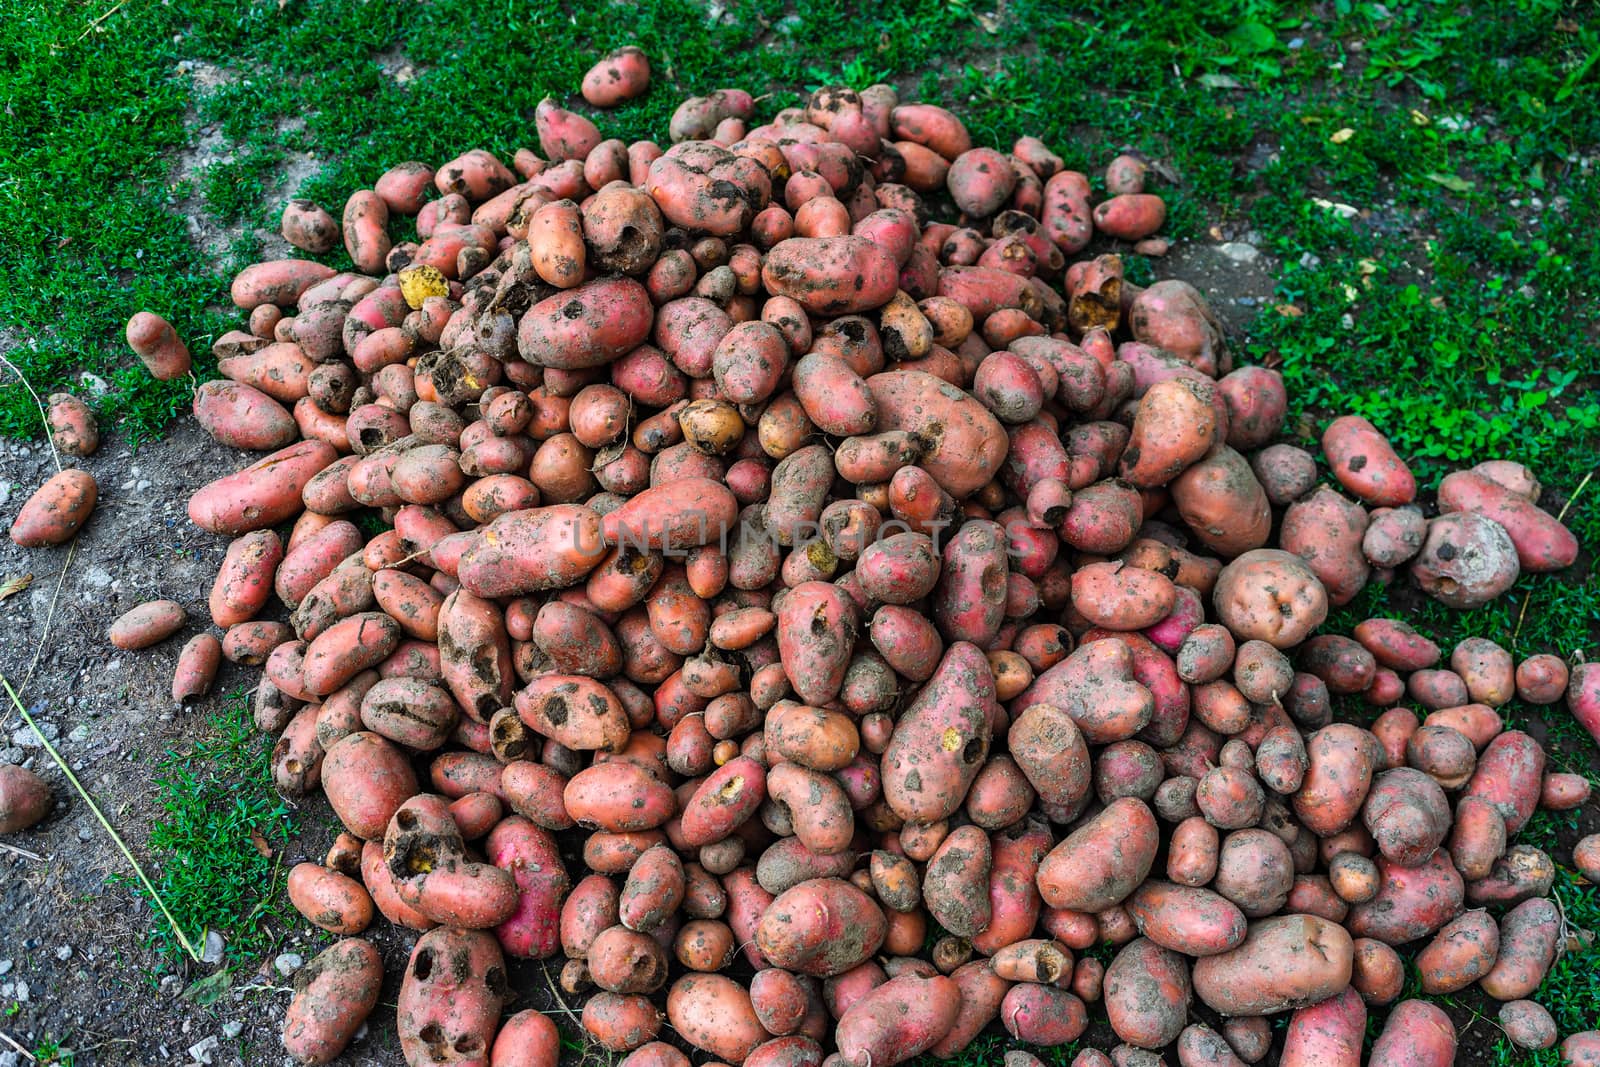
{"points": [[333, 995], [56, 511], [451, 995], [898, 1020], [1283, 962], [155, 342], [24, 799], [620, 76]]}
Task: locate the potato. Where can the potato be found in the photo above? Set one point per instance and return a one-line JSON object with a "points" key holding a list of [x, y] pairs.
{"points": [[621, 1022], [1270, 595], [196, 668], [1528, 1024], [277, 281], [1043, 1015], [1509, 775], [72, 426], [1201, 1046], [1223, 503], [1175, 426], [1326, 530], [530, 551], [1338, 776], [588, 326], [1255, 871], [261, 495], [451, 995], [966, 442], [333, 995], [821, 928], [1541, 679], [1522, 872], [1329, 1033], [57, 510], [366, 779], [621, 75], [1530, 936], [709, 189], [1407, 815], [723, 801], [1394, 644], [1466, 561], [1103, 861], [330, 900], [1172, 315], [1257, 405], [1193, 921], [528, 1037], [955, 888], [1365, 463], [1130, 216], [24, 799], [1121, 598], [1411, 902], [155, 342], [1283, 962], [1461, 952], [1416, 1032], [1542, 542], [1285, 472], [898, 1020], [1394, 536], [941, 741], [1097, 687], [147, 624], [1147, 994]]}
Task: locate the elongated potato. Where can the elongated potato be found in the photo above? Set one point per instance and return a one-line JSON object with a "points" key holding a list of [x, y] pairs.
{"points": [[1283, 962], [333, 995]]}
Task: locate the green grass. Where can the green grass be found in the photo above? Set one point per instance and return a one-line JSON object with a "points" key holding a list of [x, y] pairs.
{"points": [[218, 809]]}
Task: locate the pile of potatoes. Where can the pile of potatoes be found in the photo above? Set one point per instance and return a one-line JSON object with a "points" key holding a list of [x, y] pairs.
{"points": [[820, 625]]}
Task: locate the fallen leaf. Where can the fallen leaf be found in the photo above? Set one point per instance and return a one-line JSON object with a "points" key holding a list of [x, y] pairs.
{"points": [[990, 23], [260, 843], [1450, 182], [1288, 311], [208, 990], [14, 585], [1220, 81], [1341, 136], [1419, 119]]}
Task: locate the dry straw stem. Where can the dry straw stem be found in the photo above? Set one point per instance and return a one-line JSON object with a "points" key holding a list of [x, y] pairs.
{"points": [[144, 879]]}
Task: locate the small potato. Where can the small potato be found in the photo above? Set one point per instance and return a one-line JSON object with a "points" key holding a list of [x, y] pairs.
{"points": [[1541, 679], [24, 799], [1528, 1024], [308, 226], [1378, 973], [620, 76], [1286, 473], [155, 342], [72, 425], [1366, 464], [1394, 536], [1463, 951], [1487, 669], [1130, 216], [1102, 861], [147, 624], [329, 900], [1326, 530], [57, 510]]}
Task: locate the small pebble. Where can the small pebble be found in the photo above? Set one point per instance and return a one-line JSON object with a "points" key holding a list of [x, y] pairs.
{"points": [[231, 1030], [212, 951], [5, 966], [79, 734], [64, 953], [1239, 251], [201, 1050], [288, 962]]}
